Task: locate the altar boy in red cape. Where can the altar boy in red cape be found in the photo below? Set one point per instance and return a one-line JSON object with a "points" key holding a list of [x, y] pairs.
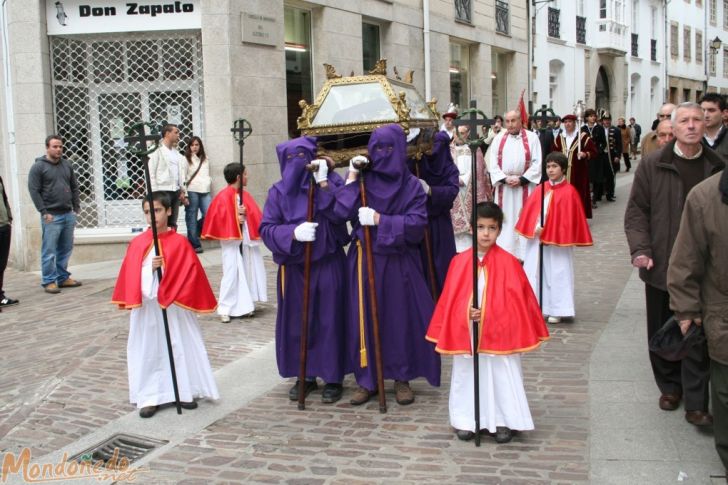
{"points": [[510, 323], [226, 221], [184, 290], [564, 227]]}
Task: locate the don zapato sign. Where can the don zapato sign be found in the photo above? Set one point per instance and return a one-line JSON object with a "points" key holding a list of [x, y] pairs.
{"points": [[66, 17]]}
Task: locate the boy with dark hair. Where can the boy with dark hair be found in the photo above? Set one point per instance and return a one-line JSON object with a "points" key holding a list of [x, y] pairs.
{"points": [[182, 291], [226, 221], [510, 323], [564, 226]]}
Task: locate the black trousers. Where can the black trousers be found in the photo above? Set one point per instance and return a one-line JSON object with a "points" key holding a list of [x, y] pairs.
{"points": [[688, 377], [627, 163], [606, 185], [4, 252], [174, 199]]}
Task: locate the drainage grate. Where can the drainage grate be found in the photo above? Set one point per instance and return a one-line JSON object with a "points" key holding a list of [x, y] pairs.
{"points": [[117, 447]]}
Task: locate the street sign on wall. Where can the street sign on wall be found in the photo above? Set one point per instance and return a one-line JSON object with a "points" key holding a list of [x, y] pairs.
{"points": [[88, 17]]}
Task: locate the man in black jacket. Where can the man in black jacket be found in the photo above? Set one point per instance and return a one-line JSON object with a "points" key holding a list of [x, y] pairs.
{"points": [[6, 218], [54, 190], [714, 105], [614, 155], [597, 165]]}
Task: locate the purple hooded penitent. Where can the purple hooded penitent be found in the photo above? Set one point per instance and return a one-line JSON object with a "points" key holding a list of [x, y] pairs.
{"points": [[441, 174], [405, 304], [285, 209]]}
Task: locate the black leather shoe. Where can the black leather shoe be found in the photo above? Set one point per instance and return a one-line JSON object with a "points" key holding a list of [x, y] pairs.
{"points": [[699, 418], [332, 393], [611, 199], [464, 435], [503, 434], [148, 411], [188, 405], [293, 392]]}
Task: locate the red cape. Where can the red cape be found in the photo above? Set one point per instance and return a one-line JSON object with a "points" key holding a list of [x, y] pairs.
{"points": [[221, 220], [184, 281], [565, 223], [511, 321]]}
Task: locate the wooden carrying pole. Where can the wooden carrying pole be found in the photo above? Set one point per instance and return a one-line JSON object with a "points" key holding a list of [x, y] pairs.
{"points": [[373, 301], [306, 289]]}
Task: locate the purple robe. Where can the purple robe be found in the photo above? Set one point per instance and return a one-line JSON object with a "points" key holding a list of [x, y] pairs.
{"points": [[404, 301], [441, 174], [285, 209]]}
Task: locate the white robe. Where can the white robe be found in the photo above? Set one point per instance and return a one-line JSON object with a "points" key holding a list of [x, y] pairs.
{"points": [[514, 164], [254, 267], [150, 378], [503, 399], [558, 273], [462, 157], [235, 297]]}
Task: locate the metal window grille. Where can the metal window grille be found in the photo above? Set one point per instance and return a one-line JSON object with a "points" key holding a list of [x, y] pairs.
{"points": [[104, 84], [554, 23], [635, 45], [653, 49], [464, 11], [502, 20], [581, 30]]}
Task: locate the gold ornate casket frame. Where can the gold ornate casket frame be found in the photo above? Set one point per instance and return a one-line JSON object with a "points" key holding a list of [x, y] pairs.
{"points": [[348, 109]]}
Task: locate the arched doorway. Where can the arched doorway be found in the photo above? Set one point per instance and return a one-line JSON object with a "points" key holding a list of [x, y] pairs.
{"points": [[602, 91]]}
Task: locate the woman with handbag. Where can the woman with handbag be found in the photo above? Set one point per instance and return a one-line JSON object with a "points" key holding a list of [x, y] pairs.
{"points": [[198, 190]]}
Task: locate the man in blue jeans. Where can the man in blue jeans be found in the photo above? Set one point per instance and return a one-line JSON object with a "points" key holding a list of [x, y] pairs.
{"points": [[54, 190]]}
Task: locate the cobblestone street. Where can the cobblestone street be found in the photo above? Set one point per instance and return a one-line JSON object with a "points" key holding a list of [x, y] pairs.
{"points": [[64, 378]]}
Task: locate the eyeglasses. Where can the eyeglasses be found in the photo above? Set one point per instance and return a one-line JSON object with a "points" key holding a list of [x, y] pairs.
{"points": [[663, 116]]}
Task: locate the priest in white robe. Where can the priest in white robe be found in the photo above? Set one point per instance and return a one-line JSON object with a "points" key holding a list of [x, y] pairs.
{"points": [[515, 169]]}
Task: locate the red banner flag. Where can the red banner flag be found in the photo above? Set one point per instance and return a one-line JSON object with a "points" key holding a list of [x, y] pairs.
{"points": [[523, 111]]}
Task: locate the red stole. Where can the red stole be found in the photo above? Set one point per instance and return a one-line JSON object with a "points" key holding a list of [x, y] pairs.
{"points": [[527, 150], [221, 220], [184, 282], [510, 321], [565, 223]]}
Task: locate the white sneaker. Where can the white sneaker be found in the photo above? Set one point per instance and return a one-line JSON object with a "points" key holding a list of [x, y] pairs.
{"points": [[225, 318], [554, 320]]}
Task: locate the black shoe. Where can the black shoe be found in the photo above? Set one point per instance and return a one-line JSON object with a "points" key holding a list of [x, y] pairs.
{"points": [[465, 435], [199, 250], [503, 434], [332, 393], [148, 411], [293, 392], [188, 405], [611, 199], [6, 302]]}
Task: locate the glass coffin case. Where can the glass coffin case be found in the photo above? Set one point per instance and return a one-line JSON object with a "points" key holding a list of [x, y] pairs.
{"points": [[348, 109]]}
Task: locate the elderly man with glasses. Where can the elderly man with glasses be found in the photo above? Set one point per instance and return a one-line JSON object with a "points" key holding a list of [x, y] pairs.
{"points": [[650, 143]]}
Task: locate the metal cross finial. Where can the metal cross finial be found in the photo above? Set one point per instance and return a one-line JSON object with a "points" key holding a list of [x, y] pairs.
{"points": [[137, 134], [544, 115], [472, 122], [241, 129]]}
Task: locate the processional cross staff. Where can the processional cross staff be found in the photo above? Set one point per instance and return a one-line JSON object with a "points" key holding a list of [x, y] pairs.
{"points": [[241, 130], [544, 115], [472, 122], [136, 134]]}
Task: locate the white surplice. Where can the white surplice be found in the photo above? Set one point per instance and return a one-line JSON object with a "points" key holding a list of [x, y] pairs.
{"points": [[558, 272], [235, 298], [254, 268], [503, 399], [150, 378], [511, 198], [462, 156]]}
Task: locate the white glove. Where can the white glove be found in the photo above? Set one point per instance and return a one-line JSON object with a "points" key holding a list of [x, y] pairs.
{"points": [[322, 172], [425, 186], [357, 160], [366, 216], [305, 232]]}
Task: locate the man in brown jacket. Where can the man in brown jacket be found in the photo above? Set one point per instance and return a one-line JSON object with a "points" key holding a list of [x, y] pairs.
{"points": [[697, 280], [651, 221], [650, 143]]}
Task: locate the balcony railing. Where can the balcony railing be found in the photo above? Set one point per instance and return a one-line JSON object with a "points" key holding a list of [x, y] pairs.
{"points": [[502, 20], [581, 30], [635, 45], [653, 49], [554, 24], [610, 37]]}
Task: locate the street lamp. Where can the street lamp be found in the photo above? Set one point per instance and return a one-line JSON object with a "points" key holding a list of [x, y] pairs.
{"points": [[715, 44]]}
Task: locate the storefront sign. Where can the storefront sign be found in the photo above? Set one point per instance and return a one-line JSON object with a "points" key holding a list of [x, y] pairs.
{"points": [[260, 29], [90, 17]]}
